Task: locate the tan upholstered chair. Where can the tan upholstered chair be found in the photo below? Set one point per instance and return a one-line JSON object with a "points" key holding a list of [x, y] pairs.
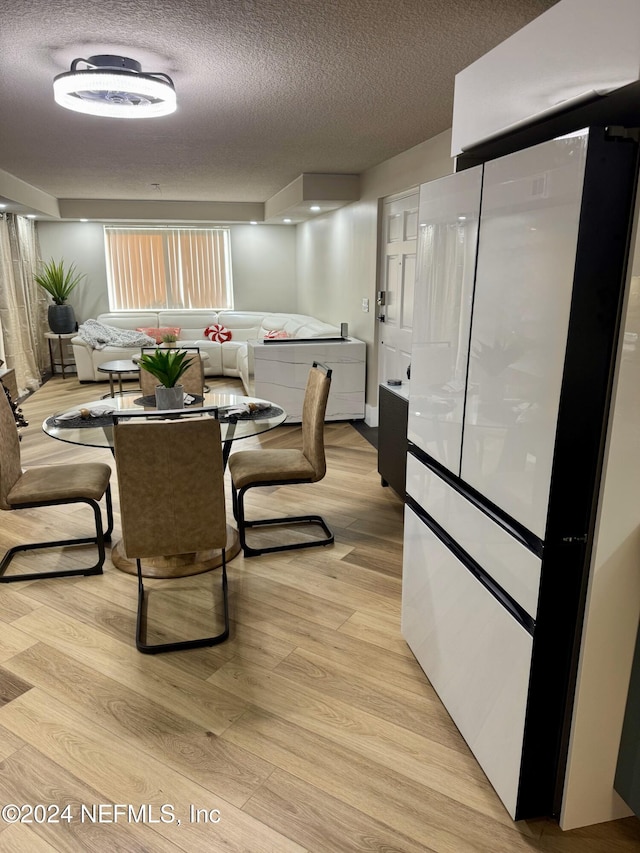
{"points": [[50, 485], [192, 379], [251, 468], [170, 476]]}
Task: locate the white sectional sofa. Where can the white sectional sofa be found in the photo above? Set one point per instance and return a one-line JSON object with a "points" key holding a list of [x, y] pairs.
{"points": [[224, 359]]}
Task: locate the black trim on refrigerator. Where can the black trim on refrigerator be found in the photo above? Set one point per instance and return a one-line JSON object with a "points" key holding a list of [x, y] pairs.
{"points": [[471, 315], [600, 275], [502, 596], [514, 528]]}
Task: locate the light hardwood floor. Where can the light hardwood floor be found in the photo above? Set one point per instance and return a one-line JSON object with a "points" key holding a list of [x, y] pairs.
{"points": [[311, 729]]}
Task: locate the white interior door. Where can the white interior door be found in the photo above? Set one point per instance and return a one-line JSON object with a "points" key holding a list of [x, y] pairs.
{"points": [[397, 283]]}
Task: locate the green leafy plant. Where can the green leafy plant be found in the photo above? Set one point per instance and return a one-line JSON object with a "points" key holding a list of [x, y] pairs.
{"points": [[169, 338], [58, 281], [167, 366]]}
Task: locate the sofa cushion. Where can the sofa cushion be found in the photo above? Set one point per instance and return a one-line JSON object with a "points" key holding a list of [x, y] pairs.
{"points": [[129, 320], [276, 333], [230, 352], [192, 322]]}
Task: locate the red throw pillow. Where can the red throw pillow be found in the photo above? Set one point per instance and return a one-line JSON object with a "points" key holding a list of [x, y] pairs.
{"points": [[159, 332], [217, 333], [274, 333]]}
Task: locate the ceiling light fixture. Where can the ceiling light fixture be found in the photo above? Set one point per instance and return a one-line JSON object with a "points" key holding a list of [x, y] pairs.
{"points": [[315, 208], [114, 86]]}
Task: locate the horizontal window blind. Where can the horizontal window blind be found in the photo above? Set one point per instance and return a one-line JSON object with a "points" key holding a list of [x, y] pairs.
{"points": [[167, 268]]}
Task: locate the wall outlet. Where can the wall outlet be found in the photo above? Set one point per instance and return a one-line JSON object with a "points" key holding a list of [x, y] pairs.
{"points": [[365, 305]]}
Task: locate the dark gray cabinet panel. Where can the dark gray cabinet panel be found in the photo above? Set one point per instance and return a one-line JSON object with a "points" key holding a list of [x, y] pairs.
{"points": [[627, 782], [392, 439]]}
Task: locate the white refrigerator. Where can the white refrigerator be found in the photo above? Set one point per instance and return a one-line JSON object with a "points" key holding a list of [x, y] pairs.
{"points": [[521, 276]]}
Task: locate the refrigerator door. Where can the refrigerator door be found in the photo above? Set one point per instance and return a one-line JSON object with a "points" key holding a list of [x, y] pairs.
{"points": [[447, 244], [531, 205], [514, 568], [476, 655]]}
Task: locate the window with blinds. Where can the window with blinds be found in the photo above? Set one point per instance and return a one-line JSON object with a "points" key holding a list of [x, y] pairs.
{"points": [[168, 268]]}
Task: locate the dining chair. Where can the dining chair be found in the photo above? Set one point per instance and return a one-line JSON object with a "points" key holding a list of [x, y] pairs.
{"points": [[170, 477], [281, 467], [192, 379], [50, 485]]}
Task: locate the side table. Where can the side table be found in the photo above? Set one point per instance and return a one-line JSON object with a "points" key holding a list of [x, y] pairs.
{"points": [[62, 340], [118, 368]]}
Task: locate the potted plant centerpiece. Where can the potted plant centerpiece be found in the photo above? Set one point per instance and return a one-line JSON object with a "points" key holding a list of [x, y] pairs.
{"points": [[167, 366], [59, 281]]}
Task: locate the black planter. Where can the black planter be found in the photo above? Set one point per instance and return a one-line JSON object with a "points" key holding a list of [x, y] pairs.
{"points": [[62, 319]]}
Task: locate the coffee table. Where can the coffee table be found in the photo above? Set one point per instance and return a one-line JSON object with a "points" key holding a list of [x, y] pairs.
{"points": [[118, 368]]}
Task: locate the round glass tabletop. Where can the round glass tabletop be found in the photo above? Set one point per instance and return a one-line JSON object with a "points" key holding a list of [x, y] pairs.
{"points": [[91, 423]]}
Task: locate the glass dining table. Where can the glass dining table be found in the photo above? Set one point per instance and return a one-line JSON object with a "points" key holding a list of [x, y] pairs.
{"points": [[91, 424], [84, 424]]}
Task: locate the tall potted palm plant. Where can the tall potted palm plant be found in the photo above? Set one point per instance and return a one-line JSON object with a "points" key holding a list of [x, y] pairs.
{"points": [[59, 281], [168, 366]]}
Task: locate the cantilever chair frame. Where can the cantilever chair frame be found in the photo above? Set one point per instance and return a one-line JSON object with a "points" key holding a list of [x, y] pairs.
{"points": [[11, 458], [239, 515], [141, 619], [99, 539], [178, 645], [243, 523]]}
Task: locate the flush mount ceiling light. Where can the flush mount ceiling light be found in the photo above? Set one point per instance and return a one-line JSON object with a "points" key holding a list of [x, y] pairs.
{"points": [[114, 86]]}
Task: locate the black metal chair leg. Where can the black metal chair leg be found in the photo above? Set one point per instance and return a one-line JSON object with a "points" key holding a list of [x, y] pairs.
{"points": [[177, 645], [243, 524], [98, 540], [109, 503], [234, 501]]}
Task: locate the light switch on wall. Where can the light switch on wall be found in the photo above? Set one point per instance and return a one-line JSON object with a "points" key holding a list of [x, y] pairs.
{"points": [[365, 305]]}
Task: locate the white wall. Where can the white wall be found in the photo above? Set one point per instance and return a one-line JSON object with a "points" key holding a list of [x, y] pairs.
{"points": [[337, 256], [81, 243], [264, 267], [263, 261]]}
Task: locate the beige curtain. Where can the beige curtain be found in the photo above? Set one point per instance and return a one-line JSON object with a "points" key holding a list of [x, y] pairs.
{"points": [[136, 268], [152, 268], [23, 304]]}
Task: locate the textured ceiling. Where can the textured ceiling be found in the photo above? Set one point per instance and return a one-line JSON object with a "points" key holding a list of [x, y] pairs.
{"points": [[267, 89]]}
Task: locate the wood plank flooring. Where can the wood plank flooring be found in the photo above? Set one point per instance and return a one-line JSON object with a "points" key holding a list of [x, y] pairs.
{"points": [[311, 729]]}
